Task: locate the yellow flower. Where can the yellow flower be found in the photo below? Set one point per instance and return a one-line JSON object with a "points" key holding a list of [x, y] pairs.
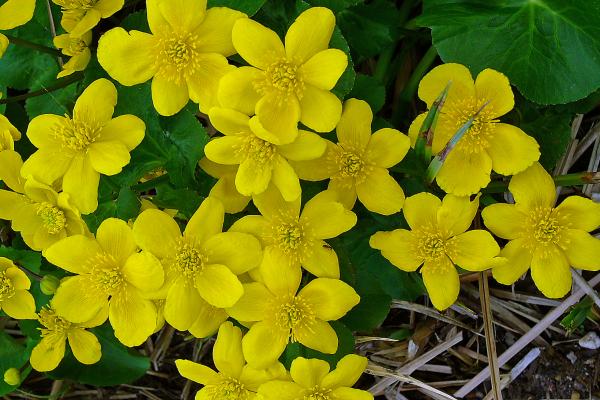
{"points": [[201, 266], [488, 145], [312, 380], [235, 380], [545, 237], [438, 240], [288, 84], [56, 331], [260, 161], [15, 300], [80, 148], [80, 16], [225, 190], [357, 164], [110, 273], [8, 133], [42, 215], [282, 315], [295, 239], [77, 48], [184, 56], [14, 13]]}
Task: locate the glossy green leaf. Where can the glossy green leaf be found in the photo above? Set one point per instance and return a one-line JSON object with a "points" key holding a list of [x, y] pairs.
{"points": [[250, 7]]}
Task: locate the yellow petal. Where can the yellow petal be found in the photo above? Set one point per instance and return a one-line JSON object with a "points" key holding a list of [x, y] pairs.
{"points": [[10, 205], [229, 121], [257, 44], [354, 127], [4, 42], [309, 34], [324, 69], [321, 110], [182, 305], [582, 250], [346, 393], [47, 165], [330, 299], [464, 173], [214, 34], [581, 213], [321, 260], [280, 390], [85, 346], [285, 179], [253, 305], [473, 250], [169, 97], [109, 7], [21, 305], [434, 82], [263, 345], [160, 243], [518, 261], [421, 210], [14, 13], [253, 177], [280, 277], [533, 187], [380, 193], [233, 201], [219, 286], [271, 204], [144, 271], [415, 127], [504, 220], [346, 373], [116, 238], [97, 100], [132, 317], [308, 373], [318, 336], [399, 247], [208, 320], [512, 150], [73, 253], [441, 281], [206, 222], [236, 89], [456, 214], [128, 57], [41, 131], [18, 278], [387, 147], [10, 166], [307, 146], [224, 150], [227, 352], [186, 15], [203, 85], [550, 271], [77, 300], [327, 219], [48, 353], [126, 129], [156, 21], [81, 182], [345, 189], [277, 118], [253, 224], [240, 252], [494, 87], [197, 372]]}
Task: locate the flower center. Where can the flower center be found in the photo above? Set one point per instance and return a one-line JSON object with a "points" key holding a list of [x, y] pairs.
{"points": [[317, 393], [76, 4], [430, 244], [77, 134], [53, 324], [177, 56], [293, 313], [7, 290], [53, 219], [284, 77], [478, 137], [350, 164], [189, 261], [546, 228], [228, 389], [75, 47], [106, 274], [289, 236], [257, 149]]}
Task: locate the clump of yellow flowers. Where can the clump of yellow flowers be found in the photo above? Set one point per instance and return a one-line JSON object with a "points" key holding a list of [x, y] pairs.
{"points": [[269, 275]]}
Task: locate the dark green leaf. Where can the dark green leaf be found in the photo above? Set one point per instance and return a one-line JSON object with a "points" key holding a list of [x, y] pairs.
{"points": [[128, 204], [31, 260], [185, 201], [12, 355], [549, 49], [370, 90], [335, 5], [250, 7]]}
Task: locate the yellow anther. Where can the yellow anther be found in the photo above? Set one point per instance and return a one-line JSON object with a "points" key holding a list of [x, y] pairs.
{"points": [[7, 290], [77, 134], [189, 260], [53, 219], [293, 313], [52, 323]]}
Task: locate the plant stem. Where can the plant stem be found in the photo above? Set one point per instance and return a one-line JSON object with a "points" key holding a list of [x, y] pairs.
{"points": [[575, 179], [60, 83], [39, 47]]}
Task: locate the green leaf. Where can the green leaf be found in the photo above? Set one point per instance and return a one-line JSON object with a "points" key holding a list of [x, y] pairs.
{"points": [[334, 5], [185, 201], [31, 260], [547, 48], [346, 82], [128, 204], [250, 7], [12, 355], [370, 90], [345, 345], [118, 364]]}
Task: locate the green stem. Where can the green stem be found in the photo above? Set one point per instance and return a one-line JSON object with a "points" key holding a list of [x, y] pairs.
{"points": [[575, 179], [60, 83], [39, 47], [383, 64], [151, 184]]}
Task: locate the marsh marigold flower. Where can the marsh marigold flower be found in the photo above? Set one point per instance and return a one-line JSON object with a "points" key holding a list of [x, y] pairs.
{"points": [[225, 190], [80, 16], [235, 380], [293, 238], [201, 266], [110, 273], [280, 314], [357, 164], [56, 332], [184, 55], [260, 161], [311, 379], [8, 133], [547, 237], [75, 47], [438, 240], [286, 84], [14, 13], [80, 148], [15, 300], [489, 144], [42, 215]]}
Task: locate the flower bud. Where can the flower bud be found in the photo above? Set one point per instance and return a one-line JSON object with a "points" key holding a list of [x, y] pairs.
{"points": [[12, 376], [49, 284]]}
